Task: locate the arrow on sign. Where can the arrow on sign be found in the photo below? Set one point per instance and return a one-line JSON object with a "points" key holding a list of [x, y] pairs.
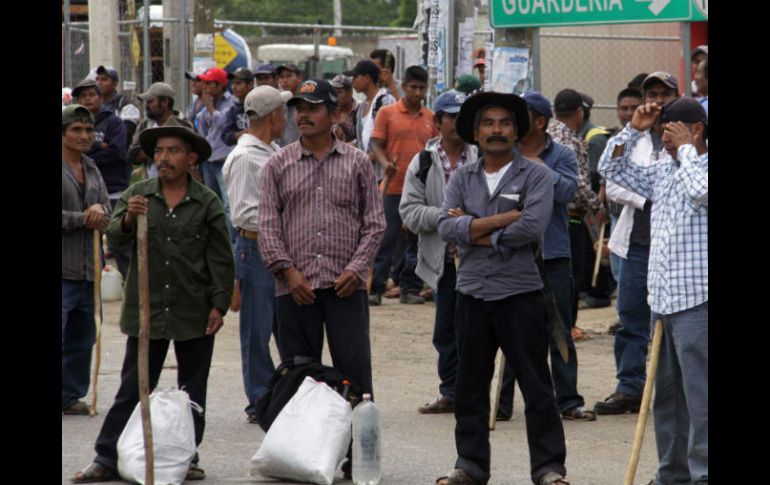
{"points": [[656, 6]]}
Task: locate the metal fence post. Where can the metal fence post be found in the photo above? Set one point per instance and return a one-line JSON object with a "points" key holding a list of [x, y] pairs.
{"points": [[183, 56], [67, 45], [146, 50], [536, 59], [686, 48], [317, 68]]}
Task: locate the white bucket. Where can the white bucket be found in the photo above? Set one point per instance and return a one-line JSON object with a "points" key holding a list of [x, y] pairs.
{"points": [[112, 284]]}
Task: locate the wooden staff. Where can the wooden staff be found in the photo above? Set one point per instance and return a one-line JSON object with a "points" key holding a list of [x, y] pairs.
{"points": [[652, 368], [497, 384], [97, 315], [598, 255], [144, 348]]}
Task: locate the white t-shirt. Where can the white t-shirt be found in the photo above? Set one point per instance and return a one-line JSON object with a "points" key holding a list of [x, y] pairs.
{"points": [[368, 128], [493, 179]]}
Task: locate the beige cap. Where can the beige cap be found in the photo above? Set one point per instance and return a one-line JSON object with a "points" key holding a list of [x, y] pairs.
{"points": [[158, 89], [263, 100]]}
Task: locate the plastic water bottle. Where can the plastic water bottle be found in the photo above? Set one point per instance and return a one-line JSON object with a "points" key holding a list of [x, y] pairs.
{"points": [[366, 443]]}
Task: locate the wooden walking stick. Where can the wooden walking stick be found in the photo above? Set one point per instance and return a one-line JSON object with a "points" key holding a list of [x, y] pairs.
{"points": [[598, 255], [144, 348], [97, 315], [494, 391], [652, 368]]}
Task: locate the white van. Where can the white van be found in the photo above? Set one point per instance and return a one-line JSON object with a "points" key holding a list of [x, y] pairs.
{"points": [[334, 60]]}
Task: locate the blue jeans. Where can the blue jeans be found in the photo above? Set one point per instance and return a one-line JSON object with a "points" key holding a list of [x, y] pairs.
{"points": [[680, 409], [78, 334], [258, 319], [409, 282], [632, 339], [212, 177]]}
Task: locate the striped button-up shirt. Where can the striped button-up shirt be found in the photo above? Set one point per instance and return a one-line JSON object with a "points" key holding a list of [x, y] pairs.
{"points": [[241, 173], [321, 216], [77, 262], [585, 198], [678, 269]]}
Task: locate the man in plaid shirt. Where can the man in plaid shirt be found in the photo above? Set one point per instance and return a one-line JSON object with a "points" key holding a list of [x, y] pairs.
{"points": [[677, 277]]}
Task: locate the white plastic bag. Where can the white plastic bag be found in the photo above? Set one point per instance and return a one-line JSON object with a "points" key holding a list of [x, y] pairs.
{"points": [[173, 438], [309, 437]]}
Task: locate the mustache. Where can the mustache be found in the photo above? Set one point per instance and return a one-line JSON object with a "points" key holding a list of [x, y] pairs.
{"points": [[305, 122], [499, 138], [166, 165]]}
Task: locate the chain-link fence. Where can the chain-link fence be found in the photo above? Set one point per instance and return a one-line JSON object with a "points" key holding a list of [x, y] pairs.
{"points": [[600, 61]]}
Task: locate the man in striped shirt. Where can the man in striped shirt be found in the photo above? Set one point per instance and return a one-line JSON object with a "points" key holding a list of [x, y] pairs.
{"points": [[321, 222], [265, 107], [677, 278]]}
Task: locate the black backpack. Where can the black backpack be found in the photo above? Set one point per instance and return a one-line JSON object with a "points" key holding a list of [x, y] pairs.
{"points": [[426, 160], [287, 379]]}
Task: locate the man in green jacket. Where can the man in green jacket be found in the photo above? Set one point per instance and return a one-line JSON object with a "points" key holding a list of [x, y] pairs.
{"points": [[191, 272]]}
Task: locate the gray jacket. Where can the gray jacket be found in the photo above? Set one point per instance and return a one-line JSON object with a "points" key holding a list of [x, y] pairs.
{"points": [[420, 208]]}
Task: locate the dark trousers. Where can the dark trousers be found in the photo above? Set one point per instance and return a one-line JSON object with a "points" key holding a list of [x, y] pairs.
{"points": [[577, 242], [515, 324], [346, 320], [122, 255], [78, 334], [194, 360], [408, 280], [444, 330], [605, 284]]}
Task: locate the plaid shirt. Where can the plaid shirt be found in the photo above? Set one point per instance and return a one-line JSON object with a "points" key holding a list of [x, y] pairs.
{"points": [[446, 163], [677, 278], [585, 198]]}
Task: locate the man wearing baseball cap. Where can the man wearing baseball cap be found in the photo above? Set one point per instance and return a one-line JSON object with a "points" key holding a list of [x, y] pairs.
{"points": [[85, 208], [266, 75], [196, 104], [266, 108], [191, 273], [210, 122], [321, 221], [345, 128], [236, 119], [495, 210], [120, 104], [159, 106], [699, 54], [678, 276], [289, 79]]}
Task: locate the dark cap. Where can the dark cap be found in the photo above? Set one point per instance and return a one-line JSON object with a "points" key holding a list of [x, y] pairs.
{"points": [[663, 77], [315, 91], [241, 73], [85, 84], [701, 49], [76, 112], [449, 102], [342, 81], [467, 116], [367, 68], [684, 109], [265, 69], [108, 70], [538, 103], [290, 67], [568, 100], [149, 138], [467, 83], [588, 101], [192, 76]]}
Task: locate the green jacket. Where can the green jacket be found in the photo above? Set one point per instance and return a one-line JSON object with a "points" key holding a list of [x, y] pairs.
{"points": [[190, 261]]}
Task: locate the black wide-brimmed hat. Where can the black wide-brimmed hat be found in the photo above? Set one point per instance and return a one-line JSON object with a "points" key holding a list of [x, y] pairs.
{"points": [[464, 123], [149, 138]]}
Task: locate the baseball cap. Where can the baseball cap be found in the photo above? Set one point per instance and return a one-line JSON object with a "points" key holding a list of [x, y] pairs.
{"points": [[215, 74], [264, 99], [701, 49], [76, 112], [85, 84], [480, 62], [367, 68], [538, 103], [342, 81], [568, 100], [290, 67], [241, 73], [157, 89], [449, 102], [684, 109], [588, 101], [108, 70], [663, 77], [192, 76], [265, 69], [467, 83], [315, 91]]}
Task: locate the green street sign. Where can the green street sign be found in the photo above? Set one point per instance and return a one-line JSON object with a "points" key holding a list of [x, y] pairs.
{"points": [[557, 13]]}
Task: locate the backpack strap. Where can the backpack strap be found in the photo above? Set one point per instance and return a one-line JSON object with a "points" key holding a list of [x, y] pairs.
{"points": [[426, 160], [599, 130]]}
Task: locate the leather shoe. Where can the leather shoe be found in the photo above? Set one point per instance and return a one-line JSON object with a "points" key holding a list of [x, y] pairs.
{"points": [[78, 408], [440, 405], [618, 403]]}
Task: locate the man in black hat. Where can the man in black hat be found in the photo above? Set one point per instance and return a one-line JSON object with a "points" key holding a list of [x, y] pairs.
{"points": [[237, 122], [289, 79], [266, 75], [495, 210], [191, 279], [120, 104]]}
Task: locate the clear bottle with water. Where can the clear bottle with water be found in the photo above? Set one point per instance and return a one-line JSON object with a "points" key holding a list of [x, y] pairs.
{"points": [[366, 443]]}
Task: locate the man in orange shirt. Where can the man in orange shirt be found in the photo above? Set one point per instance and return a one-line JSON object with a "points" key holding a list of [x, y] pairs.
{"points": [[400, 132]]}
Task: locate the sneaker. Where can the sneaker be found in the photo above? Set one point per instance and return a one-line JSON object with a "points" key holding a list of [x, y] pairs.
{"points": [[375, 299], [411, 299], [618, 403]]}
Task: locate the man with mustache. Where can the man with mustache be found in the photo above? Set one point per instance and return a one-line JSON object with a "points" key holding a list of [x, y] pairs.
{"points": [[495, 211], [191, 273], [321, 221], [84, 208]]}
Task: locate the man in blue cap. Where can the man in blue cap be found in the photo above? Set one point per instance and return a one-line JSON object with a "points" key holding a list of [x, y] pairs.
{"points": [[266, 75]]}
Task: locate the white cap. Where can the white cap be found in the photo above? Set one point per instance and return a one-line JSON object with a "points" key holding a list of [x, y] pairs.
{"points": [[263, 100]]}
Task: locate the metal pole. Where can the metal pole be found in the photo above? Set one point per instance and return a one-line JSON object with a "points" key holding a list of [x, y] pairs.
{"points": [[337, 18], [147, 78], [686, 48], [317, 70], [67, 45], [536, 59], [451, 41], [183, 55]]}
